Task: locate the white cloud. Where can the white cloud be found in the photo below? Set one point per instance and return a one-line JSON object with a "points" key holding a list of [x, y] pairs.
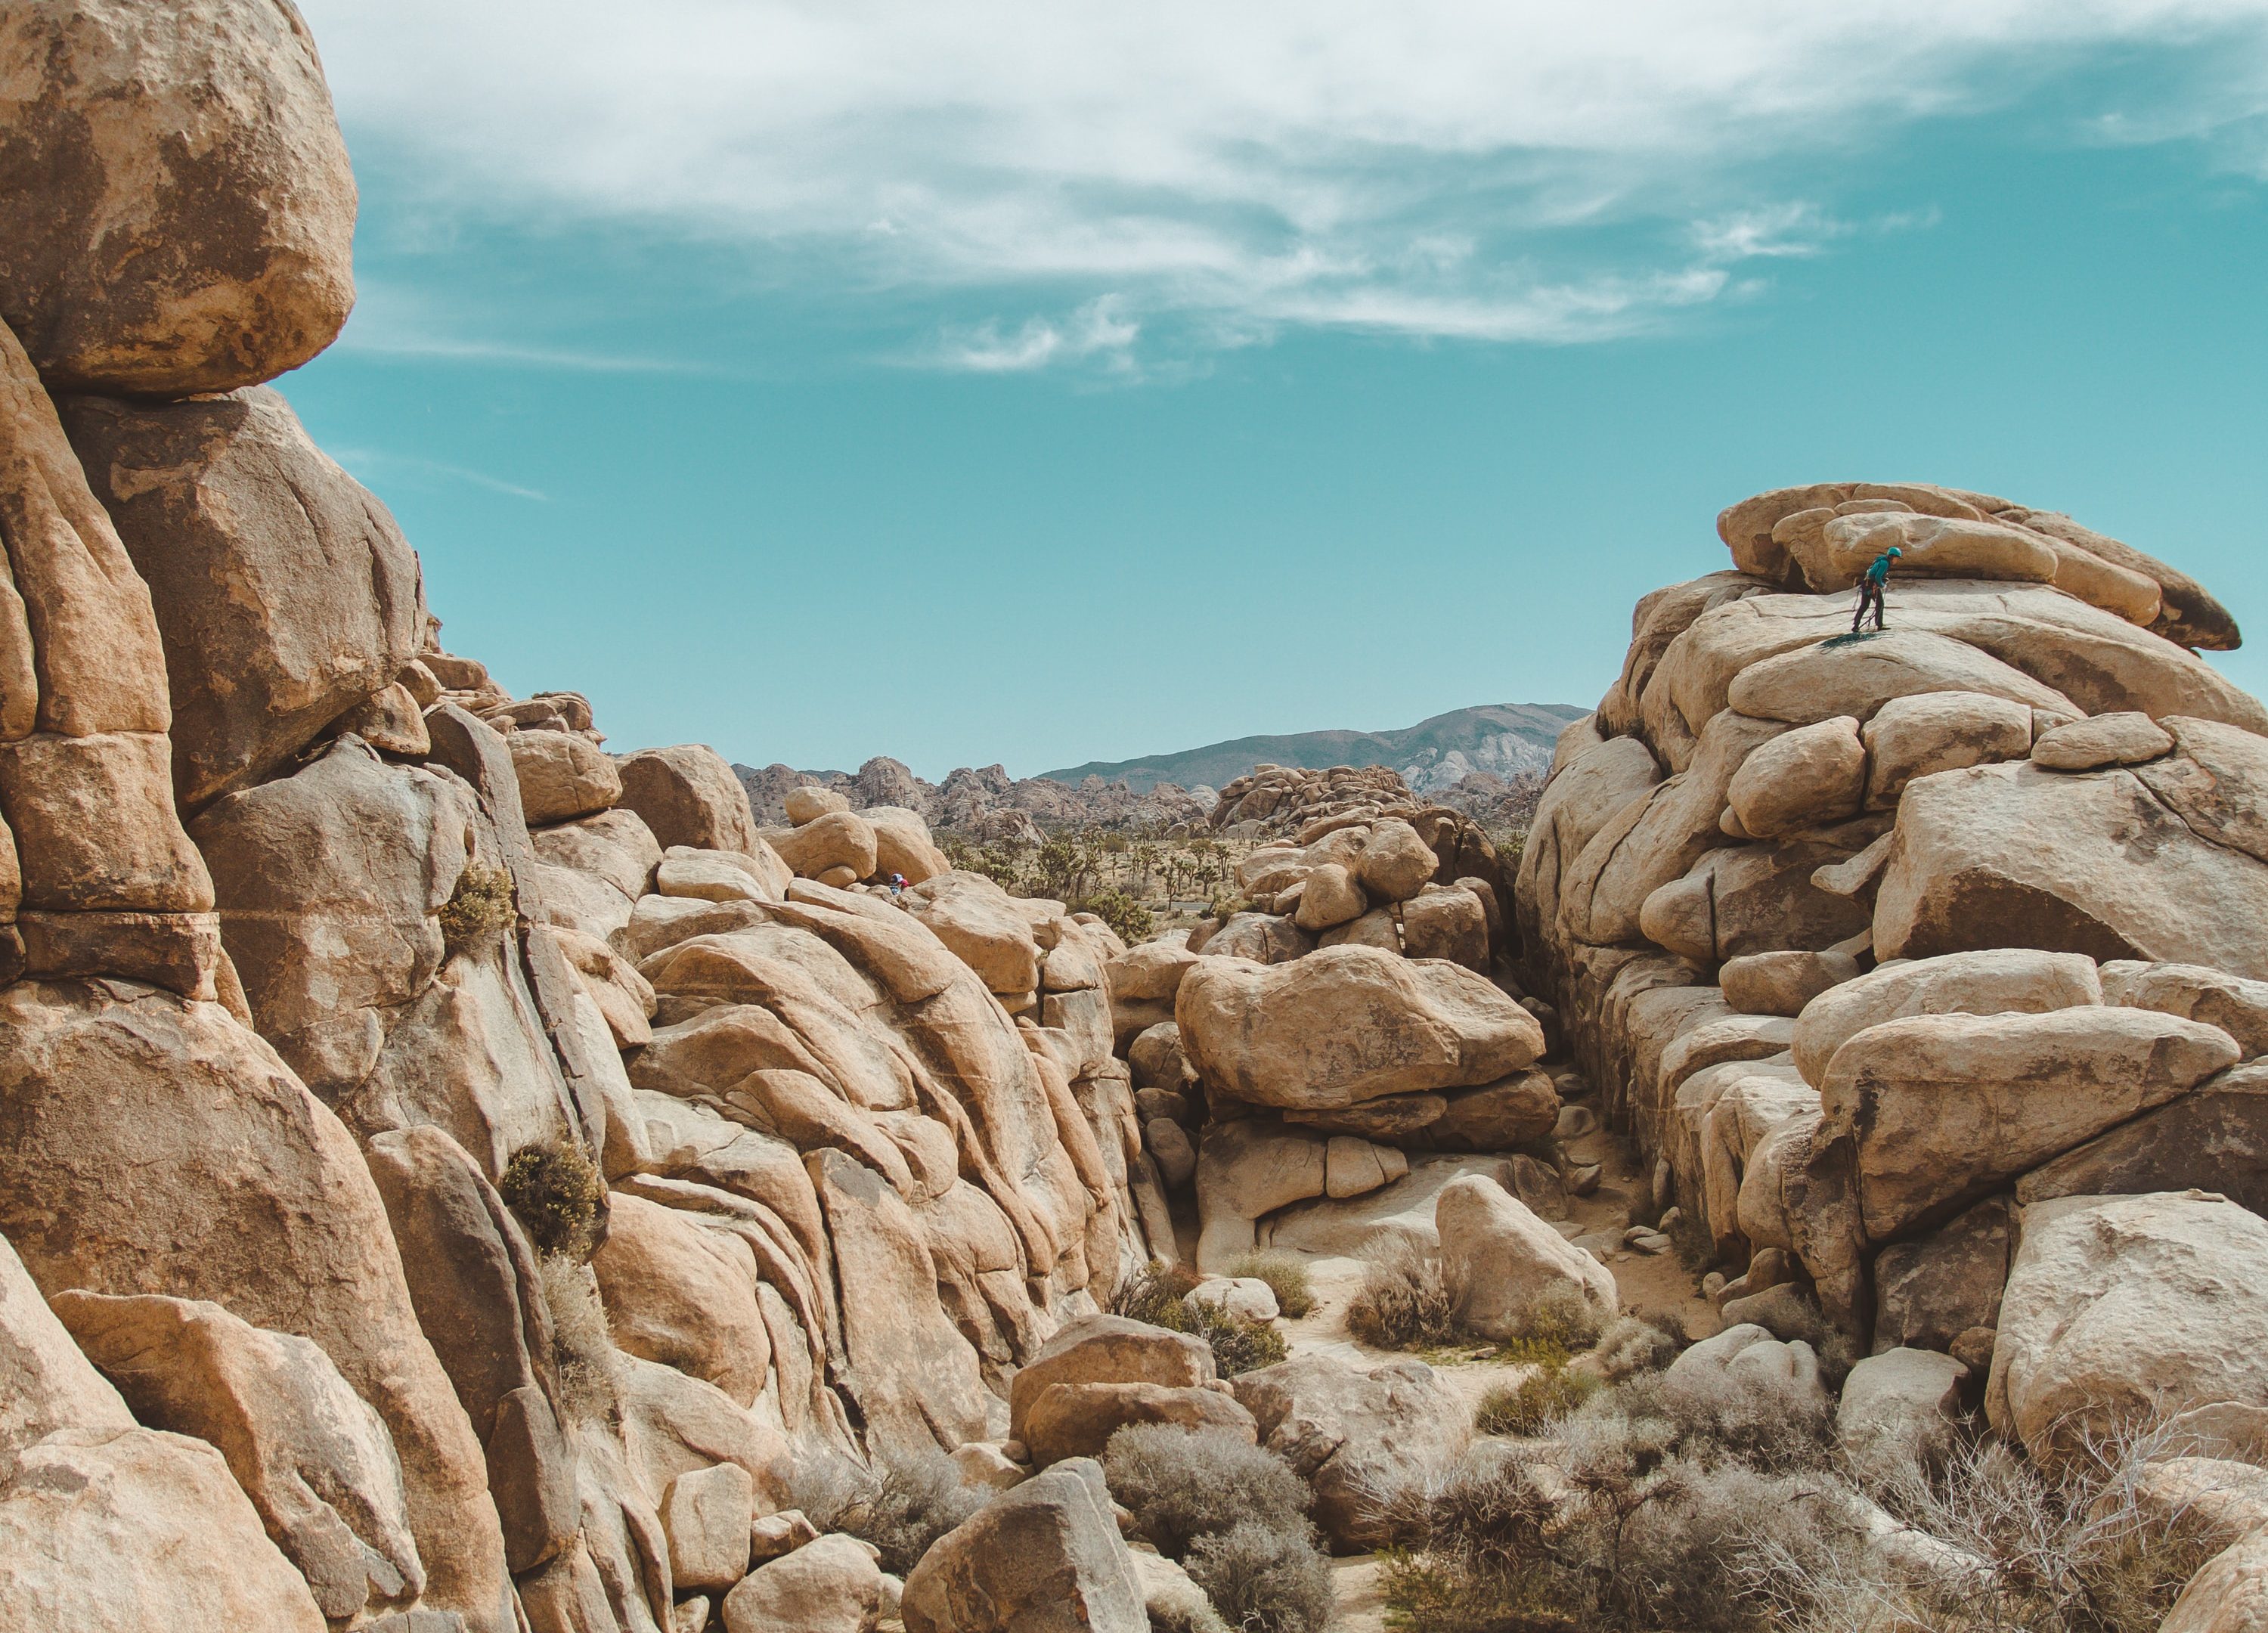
{"points": [[1432, 168]]}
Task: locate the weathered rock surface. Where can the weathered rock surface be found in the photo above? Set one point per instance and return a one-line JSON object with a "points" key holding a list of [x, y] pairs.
{"points": [[1044, 1557], [1944, 1107], [1355, 1436], [181, 213], [832, 1586], [1504, 1268], [1346, 1024], [688, 796], [284, 593], [2000, 981]]}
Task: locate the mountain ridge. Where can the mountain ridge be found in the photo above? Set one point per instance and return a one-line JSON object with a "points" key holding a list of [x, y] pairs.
{"points": [[1505, 739]]}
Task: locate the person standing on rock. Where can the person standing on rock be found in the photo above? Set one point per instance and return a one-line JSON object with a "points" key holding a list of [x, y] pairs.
{"points": [[1870, 588]]}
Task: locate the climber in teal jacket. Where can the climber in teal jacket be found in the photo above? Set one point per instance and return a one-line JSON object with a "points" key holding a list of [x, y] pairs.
{"points": [[1870, 588]]}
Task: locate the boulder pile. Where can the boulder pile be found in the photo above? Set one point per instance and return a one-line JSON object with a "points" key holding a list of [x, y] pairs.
{"points": [[451, 1177], [1888, 950]]}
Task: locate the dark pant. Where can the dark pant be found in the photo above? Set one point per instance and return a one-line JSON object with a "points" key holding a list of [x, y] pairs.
{"points": [[1869, 595]]}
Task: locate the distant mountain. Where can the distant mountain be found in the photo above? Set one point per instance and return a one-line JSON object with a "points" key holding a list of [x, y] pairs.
{"points": [[1503, 739]]}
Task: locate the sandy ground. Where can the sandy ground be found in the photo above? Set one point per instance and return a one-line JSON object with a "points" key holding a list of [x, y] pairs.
{"points": [[1648, 1283]]}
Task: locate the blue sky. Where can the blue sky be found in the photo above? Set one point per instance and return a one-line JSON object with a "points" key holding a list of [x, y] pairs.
{"points": [[997, 381]]}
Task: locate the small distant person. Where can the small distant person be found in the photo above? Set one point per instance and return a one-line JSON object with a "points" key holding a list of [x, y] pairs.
{"points": [[1870, 588], [897, 885]]}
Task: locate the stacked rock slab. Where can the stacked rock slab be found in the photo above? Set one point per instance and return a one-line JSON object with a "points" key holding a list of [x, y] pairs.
{"points": [[484, 1167], [1999, 867]]}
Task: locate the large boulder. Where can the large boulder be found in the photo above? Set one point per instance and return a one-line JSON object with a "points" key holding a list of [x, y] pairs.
{"points": [[1930, 1290], [684, 1296], [688, 796], [1503, 1266], [316, 1462], [1108, 1350], [563, 776], [1993, 981], [2125, 1310], [2230, 1595], [2213, 1138], [1347, 1024], [180, 211], [1899, 1411], [1356, 1437], [1945, 1107], [1246, 1169], [1044, 1557], [285, 594], [327, 882], [832, 1586], [2237, 1006], [150, 1145], [2097, 863], [983, 925], [1805, 778], [1078, 1420]]}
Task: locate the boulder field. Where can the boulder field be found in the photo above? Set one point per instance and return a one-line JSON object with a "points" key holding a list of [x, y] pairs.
{"points": [[456, 1179]]}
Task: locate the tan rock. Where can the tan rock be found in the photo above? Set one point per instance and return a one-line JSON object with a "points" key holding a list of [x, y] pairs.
{"points": [[1246, 1169], [94, 825], [1332, 898], [808, 805], [1263, 938], [684, 1296], [1355, 1167], [93, 1534], [720, 876], [688, 796], [2129, 1310], [1356, 1434], [1375, 929], [1930, 1290], [2125, 739], [615, 848], [1781, 984], [1168, 1144], [285, 594], [832, 1586], [317, 1462], [390, 721], [1745, 899], [978, 920], [2237, 1006], [2229, 1595], [1581, 798], [707, 1515], [2002, 980], [328, 881], [1899, 1410], [1931, 731], [1494, 1117], [183, 214], [1502, 1265], [838, 839], [563, 776], [1151, 971], [902, 845], [1447, 922], [1346, 1024], [1822, 682], [1108, 1348], [782, 1533], [2213, 1138], [1932, 547], [1044, 1556], [2093, 863], [264, 1206], [1077, 1420], [2187, 611], [1805, 778], [1943, 1107], [1395, 863], [2218, 783]]}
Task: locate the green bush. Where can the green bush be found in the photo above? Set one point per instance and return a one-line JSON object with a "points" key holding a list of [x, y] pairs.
{"points": [[1132, 920], [557, 1195], [480, 906], [1286, 1275], [1547, 1394]]}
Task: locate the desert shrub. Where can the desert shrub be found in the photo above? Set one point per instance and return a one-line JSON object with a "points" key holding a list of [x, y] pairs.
{"points": [[1263, 1580], [481, 906], [1286, 1275], [556, 1194], [582, 1349], [1184, 1483], [1403, 1302], [1131, 919], [901, 1508], [1158, 1294], [1633, 1344], [1527, 1408]]}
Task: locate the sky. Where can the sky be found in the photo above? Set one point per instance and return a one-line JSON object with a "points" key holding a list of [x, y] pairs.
{"points": [[997, 381]]}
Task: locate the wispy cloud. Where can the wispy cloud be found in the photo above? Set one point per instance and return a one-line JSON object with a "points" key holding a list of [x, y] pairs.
{"points": [[378, 464], [1502, 169]]}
